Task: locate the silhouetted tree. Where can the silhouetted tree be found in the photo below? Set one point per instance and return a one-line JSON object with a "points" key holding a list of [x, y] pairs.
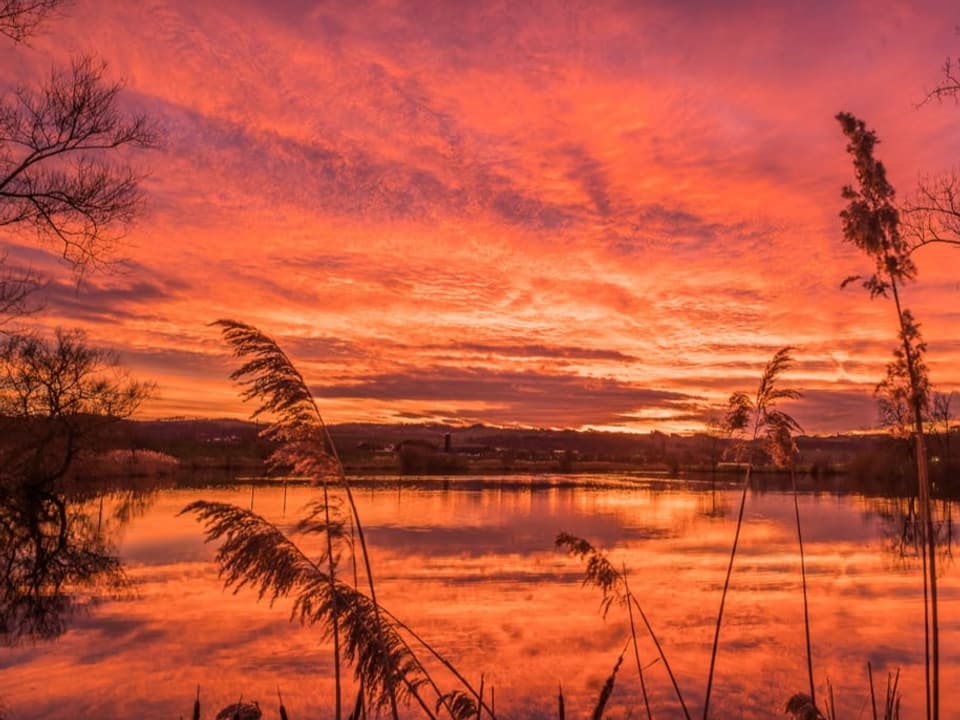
{"points": [[871, 222], [933, 214], [60, 174], [19, 19], [56, 398]]}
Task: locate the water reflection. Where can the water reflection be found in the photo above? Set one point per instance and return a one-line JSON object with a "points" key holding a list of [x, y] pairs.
{"points": [[904, 530], [471, 565], [58, 554]]}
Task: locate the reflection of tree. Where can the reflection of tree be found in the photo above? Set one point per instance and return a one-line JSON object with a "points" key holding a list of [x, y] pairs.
{"points": [[58, 401], [54, 559]]}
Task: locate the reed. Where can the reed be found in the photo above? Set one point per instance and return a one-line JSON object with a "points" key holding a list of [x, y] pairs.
{"points": [[601, 573], [636, 650], [803, 586], [607, 690], [776, 428], [305, 447], [253, 552], [872, 222], [376, 644], [802, 707]]}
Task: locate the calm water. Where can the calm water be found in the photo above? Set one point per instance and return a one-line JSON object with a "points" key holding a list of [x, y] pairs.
{"points": [[471, 565]]}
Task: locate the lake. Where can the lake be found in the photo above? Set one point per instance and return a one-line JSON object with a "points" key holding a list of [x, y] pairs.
{"points": [[470, 564]]}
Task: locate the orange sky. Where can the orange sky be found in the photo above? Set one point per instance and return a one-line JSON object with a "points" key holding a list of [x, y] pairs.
{"points": [[551, 214]]}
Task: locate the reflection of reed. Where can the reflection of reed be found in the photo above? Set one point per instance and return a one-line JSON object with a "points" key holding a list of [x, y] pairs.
{"points": [[712, 506], [903, 527]]}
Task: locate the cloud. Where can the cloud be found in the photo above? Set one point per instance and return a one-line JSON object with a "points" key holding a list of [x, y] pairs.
{"points": [[527, 397], [536, 351], [644, 192], [108, 302]]}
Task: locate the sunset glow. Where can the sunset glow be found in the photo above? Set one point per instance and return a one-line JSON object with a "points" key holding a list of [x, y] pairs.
{"points": [[554, 214]]}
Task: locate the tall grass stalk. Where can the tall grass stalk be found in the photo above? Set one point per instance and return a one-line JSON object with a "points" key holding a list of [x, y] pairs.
{"points": [[803, 586], [636, 650], [363, 547], [480, 704], [891, 701], [270, 377], [723, 595], [777, 428], [443, 661], [335, 615], [872, 222], [663, 657], [607, 690], [601, 573]]}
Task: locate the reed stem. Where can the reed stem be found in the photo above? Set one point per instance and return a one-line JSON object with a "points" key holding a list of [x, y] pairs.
{"points": [[803, 581], [636, 649], [723, 595]]}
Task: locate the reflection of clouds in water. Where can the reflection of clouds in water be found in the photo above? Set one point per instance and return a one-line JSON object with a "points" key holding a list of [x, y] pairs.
{"points": [[476, 573], [529, 539]]}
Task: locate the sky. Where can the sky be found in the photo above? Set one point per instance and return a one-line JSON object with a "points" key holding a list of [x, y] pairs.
{"points": [[587, 215]]}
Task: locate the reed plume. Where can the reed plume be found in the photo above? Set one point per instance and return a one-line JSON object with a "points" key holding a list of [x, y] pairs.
{"points": [[601, 573], [304, 445], [802, 707], [253, 552], [607, 690], [460, 704], [872, 222], [775, 428]]}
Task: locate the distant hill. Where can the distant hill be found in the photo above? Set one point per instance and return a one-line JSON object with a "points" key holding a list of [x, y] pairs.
{"points": [[369, 447]]}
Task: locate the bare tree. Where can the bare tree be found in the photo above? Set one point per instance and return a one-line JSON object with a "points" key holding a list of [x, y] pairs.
{"points": [[948, 88], [933, 214], [19, 19], [16, 286], [59, 169], [56, 399]]}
